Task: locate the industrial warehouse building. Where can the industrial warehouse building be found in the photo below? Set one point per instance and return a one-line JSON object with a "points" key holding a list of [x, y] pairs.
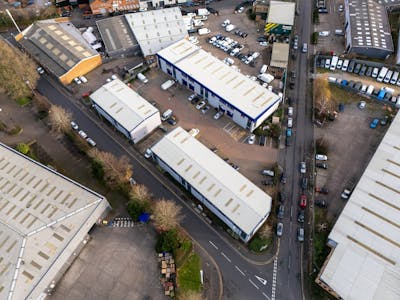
{"points": [[367, 28], [242, 99], [59, 48], [44, 221], [156, 29], [131, 114], [118, 39], [364, 262], [239, 203], [280, 18]]}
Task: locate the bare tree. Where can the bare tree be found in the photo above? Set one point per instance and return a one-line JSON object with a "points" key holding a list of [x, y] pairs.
{"points": [[18, 74], [140, 192], [322, 95], [117, 171], [166, 215], [60, 119]]}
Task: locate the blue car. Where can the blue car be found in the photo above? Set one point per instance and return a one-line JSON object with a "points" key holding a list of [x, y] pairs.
{"points": [[374, 123], [288, 132]]}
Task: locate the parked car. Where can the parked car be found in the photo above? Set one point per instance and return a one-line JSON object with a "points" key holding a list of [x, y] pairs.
{"points": [[74, 125], [288, 132], [171, 121], [345, 194], [321, 157], [321, 203], [77, 80], [357, 68], [218, 115], [321, 165], [279, 229], [191, 97], [163, 128], [40, 70], [302, 167], [200, 105], [290, 123], [251, 139], [362, 104], [300, 234], [267, 182], [300, 216], [268, 173], [363, 70], [283, 178], [281, 211], [91, 142], [195, 131], [304, 183], [282, 196], [303, 201], [369, 71], [290, 111], [374, 123], [82, 134], [148, 153]]}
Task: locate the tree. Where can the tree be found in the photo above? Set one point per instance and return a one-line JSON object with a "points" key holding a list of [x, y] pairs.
{"points": [[167, 241], [117, 171], [140, 192], [139, 201], [166, 215], [322, 95], [18, 76], [135, 209], [60, 119]]}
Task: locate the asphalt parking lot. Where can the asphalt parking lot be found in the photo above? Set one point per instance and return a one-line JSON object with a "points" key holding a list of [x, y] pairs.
{"points": [[118, 263], [330, 22], [351, 143]]}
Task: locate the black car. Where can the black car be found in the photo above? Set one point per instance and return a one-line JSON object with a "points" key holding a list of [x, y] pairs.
{"points": [[300, 216], [323, 10], [281, 211], [195, 100], [171, 121], [243, 34], [288, 141], [283, 178], [261, 39], [369, 71], [321, 203], [282, 197], [267, 182], [163, 128], [321, 165], [363, 70], [350, 68], [357, 68], [263, 140], [238, 32], [304, 183]]}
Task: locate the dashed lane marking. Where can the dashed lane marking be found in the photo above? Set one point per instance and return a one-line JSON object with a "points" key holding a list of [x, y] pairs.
{"points": [[240, 271], [254, 284], [274, 278], [226, 257], [212, 244]]}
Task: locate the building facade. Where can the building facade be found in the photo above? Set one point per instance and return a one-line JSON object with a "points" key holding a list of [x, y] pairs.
{"points": [[127, 111], [246, 102], [234, 199], [104, 7]]}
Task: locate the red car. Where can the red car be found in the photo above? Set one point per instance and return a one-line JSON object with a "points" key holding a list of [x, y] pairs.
{"points": [[303, 201]]}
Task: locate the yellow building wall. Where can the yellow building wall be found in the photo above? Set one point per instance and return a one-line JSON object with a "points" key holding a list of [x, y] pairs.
{"points": [[82, 68]]}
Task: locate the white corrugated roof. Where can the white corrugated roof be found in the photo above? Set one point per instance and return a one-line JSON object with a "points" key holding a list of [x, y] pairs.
{"points": [[243, 93], [366, 261], [157, 29], [123, 104], [233, 194], [280, 55], [41, 215], [281, 12]]}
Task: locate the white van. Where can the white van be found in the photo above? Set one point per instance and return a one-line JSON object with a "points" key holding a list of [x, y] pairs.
{"points": [[395, 77], [229, 27], [203, 31], [388, 76], [339, 32], [263, 69], [345, 65], [382, 74], [166, 85], [166, 114], [142, 78], [334, 62], [332, 79]]}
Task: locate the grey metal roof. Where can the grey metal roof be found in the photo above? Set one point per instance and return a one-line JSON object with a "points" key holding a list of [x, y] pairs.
{"points": [[57, 45], [44, 216], [116, 34], [369, 24], [157, 29]]}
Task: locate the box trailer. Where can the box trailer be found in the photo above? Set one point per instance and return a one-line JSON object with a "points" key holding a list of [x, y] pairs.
{"points": [[166, 85], [267, 78]]}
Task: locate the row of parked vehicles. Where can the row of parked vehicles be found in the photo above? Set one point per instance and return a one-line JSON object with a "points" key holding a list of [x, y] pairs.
{"points": [[382, 74]]}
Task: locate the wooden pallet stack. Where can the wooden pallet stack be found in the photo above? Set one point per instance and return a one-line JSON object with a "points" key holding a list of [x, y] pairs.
{"points": [[168, 273]]}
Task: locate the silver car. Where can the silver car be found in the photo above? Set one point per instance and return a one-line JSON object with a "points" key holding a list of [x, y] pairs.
{"points": [[279, 229]]}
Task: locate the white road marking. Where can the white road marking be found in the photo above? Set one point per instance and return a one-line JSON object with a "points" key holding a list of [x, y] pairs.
{"points": [[254, 284], [265, 295], [274, 278], [226, 257], [260, 279], [212, 244], [240, 271]]}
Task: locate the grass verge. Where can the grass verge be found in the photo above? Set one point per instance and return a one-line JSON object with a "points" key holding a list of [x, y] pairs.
{"points": [[189, 274]]}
